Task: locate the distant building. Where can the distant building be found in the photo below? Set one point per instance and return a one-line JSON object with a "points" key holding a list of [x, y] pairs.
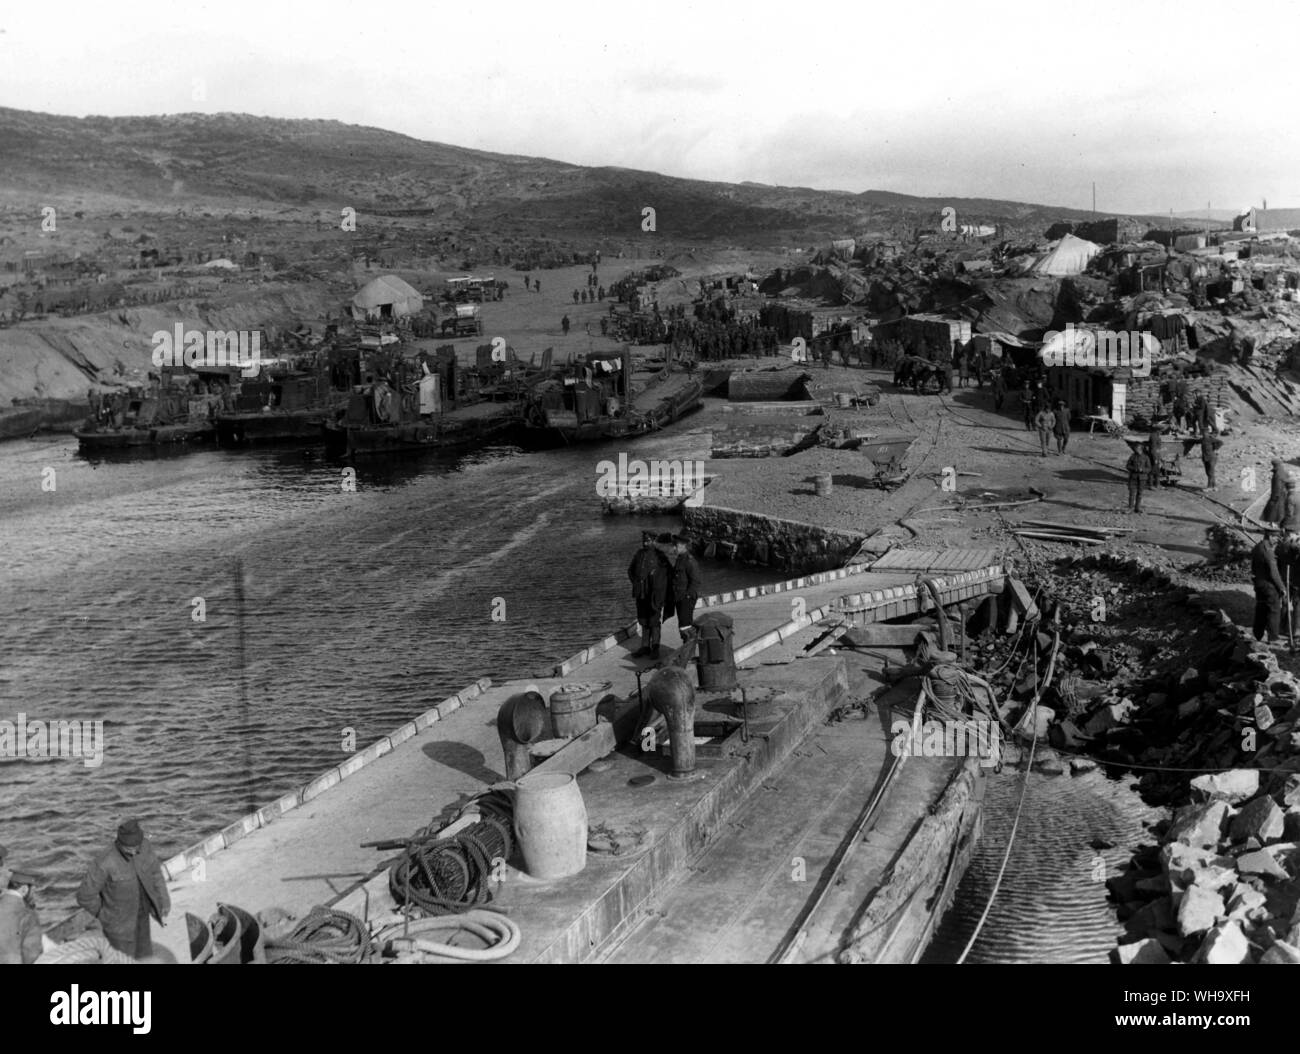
{"points": [[1262, 221]]}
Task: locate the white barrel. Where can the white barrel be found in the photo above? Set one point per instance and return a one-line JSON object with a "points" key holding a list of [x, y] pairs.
{"points": [[551, 824]]}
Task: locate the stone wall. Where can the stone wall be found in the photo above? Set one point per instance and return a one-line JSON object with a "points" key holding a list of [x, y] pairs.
{"points": [[788, 545]]}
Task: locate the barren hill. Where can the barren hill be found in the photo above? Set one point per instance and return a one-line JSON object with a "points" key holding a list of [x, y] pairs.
{"points": [[220, 161]]}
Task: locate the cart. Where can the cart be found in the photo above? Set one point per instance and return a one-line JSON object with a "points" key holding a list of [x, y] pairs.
{"points": [[886, 454]]}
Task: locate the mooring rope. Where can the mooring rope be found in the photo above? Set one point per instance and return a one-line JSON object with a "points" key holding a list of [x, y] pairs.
{"points": [[324, 936], [1024, 787]]}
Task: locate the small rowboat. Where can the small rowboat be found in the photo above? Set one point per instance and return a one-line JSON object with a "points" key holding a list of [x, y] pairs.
{"points": [[200, 934]]}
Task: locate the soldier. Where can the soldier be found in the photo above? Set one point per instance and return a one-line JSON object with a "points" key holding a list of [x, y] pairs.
{"points": [[1027, 405], [564, 325], [1270, 590], [1139, 470], [686, 587], [1153, 452], [961, 359], [1275, 510], [123, 886], [20, 926], [575, 296], [1045, 422], [1209, 458], [1061, 426], [999, 390], [649, 573]]}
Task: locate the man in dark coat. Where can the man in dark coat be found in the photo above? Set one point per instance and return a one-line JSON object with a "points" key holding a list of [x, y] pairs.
{"points": [[685, 591], [650, 572], [1275, 510], [1061, 426], [1139, 471], [999, 390], [1210, 458], [123, 886], [1270, 590]]}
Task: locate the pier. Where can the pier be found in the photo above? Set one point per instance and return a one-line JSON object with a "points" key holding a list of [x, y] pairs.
{"points": [[786, 788]]}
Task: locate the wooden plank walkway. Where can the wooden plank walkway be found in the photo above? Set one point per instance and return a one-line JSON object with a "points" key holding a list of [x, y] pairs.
{"points": [[935, 560]]}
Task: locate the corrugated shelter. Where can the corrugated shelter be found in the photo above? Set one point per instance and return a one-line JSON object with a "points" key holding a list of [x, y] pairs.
{"points": [[386, 297]]}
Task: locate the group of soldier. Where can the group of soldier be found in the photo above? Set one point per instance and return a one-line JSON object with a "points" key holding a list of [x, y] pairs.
{"points": [[122, 889], [663, 589], [594, 291]]}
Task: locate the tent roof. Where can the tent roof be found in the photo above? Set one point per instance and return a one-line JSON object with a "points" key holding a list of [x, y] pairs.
{"points": [[1069, 256], [387, 289]]}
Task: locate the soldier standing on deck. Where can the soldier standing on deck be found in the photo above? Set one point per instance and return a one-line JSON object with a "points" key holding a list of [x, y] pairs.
{"points": [[649, 572], [686, 586], [123, 886]]}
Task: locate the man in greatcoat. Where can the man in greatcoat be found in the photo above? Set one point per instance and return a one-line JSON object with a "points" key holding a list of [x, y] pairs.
{"points": [[685, 592], [123, 887], [650, 572]]}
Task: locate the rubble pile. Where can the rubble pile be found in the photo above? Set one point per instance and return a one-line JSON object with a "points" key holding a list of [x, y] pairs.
{"points": [[1167, 684]]}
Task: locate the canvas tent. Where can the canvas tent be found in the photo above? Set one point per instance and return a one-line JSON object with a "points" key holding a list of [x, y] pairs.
{"points": [[386, 297], [1069, 256]]}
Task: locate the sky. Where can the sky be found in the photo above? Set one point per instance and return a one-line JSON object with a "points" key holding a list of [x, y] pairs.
{"points": [[1164, 105]]}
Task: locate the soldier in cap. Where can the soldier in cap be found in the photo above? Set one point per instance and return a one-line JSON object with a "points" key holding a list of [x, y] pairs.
{"points": [[686, 586], [649, 572], [1270, 589], [20, 926], [123, 886]]}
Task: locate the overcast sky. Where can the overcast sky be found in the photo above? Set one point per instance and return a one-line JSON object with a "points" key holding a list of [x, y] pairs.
{"points": [[1164, 105]]}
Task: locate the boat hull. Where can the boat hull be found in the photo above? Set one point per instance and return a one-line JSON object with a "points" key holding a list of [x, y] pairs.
{"points": [[250, 429], [163, 435], [564, 429], [375, 440]]}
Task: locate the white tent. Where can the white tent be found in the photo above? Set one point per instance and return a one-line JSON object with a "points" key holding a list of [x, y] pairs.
{"points": [[1069, 256], [386, 297]]}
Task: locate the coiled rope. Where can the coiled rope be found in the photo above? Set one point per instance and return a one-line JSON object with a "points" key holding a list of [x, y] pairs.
{"points": [[443, 876], [324, 936]]}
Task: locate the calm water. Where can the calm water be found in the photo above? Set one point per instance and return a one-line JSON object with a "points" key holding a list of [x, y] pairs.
{"points": [[361, 610]]}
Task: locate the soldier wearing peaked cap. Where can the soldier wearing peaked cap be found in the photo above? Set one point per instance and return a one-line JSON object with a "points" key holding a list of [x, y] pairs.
{"points": [[650, 572]]}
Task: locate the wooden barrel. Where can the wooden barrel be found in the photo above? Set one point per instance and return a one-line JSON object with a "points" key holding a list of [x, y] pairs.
{"points": [[822, 484], [573, 711], [845, 399], [551, 824]]}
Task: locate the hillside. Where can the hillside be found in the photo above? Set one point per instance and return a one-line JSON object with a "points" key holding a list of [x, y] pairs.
{"points": [[223, 161]]}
